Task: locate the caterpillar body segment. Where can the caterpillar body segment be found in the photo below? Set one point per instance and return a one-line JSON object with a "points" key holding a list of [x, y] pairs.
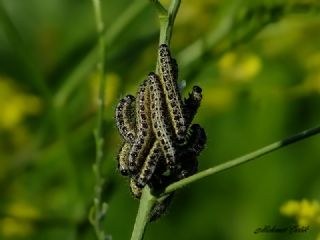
{"points": [[187, 166], [149, 165], [122, 158], [187, 163], [197, 139], [160, 208], [125, 118], [175, 69], [135, 190]]}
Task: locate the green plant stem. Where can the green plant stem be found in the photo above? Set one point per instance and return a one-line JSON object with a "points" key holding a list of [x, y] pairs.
{"points": [[244, 159], [146, 203], [99, 208], [167, 21]]}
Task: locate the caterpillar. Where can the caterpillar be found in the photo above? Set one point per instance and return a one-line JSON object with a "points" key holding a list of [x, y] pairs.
{"points": [[125, 118], [142, 142], [168, 77], [161, 127]]}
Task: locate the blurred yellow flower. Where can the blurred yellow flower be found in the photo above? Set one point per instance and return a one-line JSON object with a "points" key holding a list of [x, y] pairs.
{"points": [[23, 210], [312, 82], [218, 98], [10, 227], [312, 62], [233, 66], [19, 223], [291, 208], [309, 209], [306, 212], [15, 105]]}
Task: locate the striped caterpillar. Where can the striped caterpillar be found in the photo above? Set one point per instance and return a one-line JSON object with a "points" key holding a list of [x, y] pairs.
{"points": [[141, 145], [168, 77]]}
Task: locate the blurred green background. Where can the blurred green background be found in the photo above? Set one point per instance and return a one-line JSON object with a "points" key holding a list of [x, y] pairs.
{"points": [[258, 63]]}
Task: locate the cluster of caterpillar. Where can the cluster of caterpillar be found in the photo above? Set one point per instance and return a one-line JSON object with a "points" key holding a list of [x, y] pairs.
{"points": [[159, 145]]}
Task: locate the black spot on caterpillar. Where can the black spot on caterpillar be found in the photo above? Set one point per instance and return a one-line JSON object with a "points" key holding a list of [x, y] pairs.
{"points": [[168, 77], [125, 118], [161, 127], [192, 103], [143, 139]]}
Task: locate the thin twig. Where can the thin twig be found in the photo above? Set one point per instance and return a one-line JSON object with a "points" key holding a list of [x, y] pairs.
{"points": [[99, 208], [167, 22], [241, 160]]}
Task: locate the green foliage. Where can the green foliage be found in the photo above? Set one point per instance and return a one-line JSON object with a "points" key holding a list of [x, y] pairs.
{"points": [[258, 64]]}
